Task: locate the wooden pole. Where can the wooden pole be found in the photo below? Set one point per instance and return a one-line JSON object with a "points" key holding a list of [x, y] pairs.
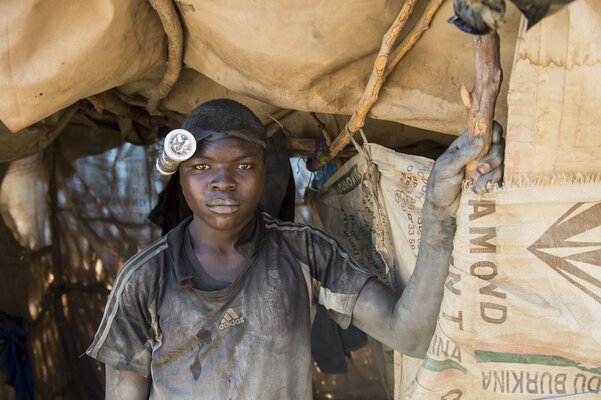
{"points": [[412, 37], [372, 89], [481, 101], [385, 62]]}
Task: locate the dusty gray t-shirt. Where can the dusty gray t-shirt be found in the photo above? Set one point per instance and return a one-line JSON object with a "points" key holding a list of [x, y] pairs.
{"points": [[250, 340]]}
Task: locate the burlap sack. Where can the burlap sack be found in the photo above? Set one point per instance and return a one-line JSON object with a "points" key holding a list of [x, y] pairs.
{"points": [[554, 97], [373, 205], [520, 315]]}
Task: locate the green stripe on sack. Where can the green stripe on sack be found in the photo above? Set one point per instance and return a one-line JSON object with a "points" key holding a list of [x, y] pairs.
{"points": [[441, 365], [514, 358]]}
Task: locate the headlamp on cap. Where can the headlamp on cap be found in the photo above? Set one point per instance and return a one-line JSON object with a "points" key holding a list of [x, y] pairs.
{"points": [[179, 146]]}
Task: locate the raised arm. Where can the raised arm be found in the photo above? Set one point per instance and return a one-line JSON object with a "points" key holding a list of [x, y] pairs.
{"points": [[407, 323], [125, 385]]}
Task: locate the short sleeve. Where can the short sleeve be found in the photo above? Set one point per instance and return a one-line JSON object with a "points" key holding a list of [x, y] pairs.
{"points": [[338, 276], [125, 338]]}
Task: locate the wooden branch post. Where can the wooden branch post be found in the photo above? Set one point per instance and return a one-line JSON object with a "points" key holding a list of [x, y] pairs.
{"points": [[481, 101], [371, 92], [385, 62]]}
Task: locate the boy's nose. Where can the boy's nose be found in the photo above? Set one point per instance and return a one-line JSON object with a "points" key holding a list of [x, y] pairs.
{"points": [[222, 180]]}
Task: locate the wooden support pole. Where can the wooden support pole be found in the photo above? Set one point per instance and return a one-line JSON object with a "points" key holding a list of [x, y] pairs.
{"points": [[372, 89], [385, 62], [481, 101], [412, 37]]}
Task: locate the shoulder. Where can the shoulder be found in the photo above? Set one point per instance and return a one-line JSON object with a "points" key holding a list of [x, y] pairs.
{"points": [[278, 226], [299, 234], [143, 265], [156, 257]]}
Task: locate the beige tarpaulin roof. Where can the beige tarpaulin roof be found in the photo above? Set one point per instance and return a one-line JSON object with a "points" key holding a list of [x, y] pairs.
{"points": [[291, 55], [282, 60]]}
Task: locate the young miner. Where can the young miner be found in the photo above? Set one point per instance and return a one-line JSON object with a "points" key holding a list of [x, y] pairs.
{"points": [[221, 307]]}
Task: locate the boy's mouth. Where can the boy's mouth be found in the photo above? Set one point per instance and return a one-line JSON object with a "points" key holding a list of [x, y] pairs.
{"points": [[223, 206]]}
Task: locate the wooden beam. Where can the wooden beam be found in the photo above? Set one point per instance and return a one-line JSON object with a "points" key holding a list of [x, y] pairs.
{"points": [[383, 66], [372, 89], [481, 101]]}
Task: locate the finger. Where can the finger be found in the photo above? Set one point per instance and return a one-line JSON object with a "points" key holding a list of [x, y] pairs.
{"points": [[492, 160], [484, 181], [462, 151], [497, 133]]}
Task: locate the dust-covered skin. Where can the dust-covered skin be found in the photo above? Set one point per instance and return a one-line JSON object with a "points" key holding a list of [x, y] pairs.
{"points": [[222, 183], [273, 328], [407, 324]]}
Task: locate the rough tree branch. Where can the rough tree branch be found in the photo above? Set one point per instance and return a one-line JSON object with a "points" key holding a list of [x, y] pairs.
{"points": [[481, 101], [384, 64]]}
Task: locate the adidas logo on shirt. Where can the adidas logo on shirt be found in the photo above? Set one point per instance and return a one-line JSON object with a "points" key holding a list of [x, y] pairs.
{"points": [[230, 319]]}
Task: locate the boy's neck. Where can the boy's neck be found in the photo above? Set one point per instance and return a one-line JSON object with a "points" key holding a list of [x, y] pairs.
{"points": [[216, 251], [204, 237]]}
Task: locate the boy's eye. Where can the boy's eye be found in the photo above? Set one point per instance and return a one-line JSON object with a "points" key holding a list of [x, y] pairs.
{"points": [[245, 166], [201, 167]]}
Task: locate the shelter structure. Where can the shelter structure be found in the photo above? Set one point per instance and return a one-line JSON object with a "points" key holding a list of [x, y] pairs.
{"points": [[90, 88]]}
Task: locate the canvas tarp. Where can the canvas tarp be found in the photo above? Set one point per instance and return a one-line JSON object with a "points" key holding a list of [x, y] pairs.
{"points": [[55, 53], [299, 55]]}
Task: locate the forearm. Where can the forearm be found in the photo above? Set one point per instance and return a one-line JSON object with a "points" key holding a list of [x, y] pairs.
{"points": [[417, 309], [408, 322], [125, 385]]}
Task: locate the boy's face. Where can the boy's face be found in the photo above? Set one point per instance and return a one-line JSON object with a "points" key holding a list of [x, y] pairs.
{"points": [[223, 182]]}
